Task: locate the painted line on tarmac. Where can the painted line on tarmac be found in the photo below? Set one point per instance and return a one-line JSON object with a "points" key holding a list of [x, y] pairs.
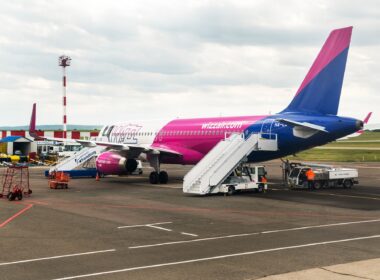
{"points": [[38, 202], [250, 234], [155, 226], [7, 221], [219, 257], [58, 257], [333, 194], [145, 225], [190, 234], [350, 196], [367, 193], [167, 187], [161, 228]]}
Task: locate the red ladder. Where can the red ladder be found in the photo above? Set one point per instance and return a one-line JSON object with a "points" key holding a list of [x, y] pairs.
{"points": [[7, 181], [16, 182]]}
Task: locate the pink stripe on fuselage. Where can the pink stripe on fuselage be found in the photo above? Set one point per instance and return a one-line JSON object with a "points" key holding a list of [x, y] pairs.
{"points": [[337, 42], [194, 138]]}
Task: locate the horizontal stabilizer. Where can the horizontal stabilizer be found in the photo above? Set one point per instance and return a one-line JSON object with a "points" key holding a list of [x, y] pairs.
{"points": [[302, 124], [365, 121]]}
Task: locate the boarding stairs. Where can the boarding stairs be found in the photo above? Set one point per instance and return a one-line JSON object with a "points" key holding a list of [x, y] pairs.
{"points": [[78, 159], [218, 164]]}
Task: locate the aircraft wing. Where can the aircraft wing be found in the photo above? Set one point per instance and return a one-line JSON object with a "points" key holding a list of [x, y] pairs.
{"points": [[134, 148], [165, 150], [58, 139], [305, 125], [122, 147], [138, 148]]}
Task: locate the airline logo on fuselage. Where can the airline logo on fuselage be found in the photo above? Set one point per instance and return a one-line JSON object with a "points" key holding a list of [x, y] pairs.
{"points": [[125, 134], [224, 125]]}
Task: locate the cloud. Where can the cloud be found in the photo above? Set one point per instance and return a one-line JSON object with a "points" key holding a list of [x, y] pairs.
{"points": [[161, 59]]}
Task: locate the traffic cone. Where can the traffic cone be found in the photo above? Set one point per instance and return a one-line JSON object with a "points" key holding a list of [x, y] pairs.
{"points": [[97, 178]]}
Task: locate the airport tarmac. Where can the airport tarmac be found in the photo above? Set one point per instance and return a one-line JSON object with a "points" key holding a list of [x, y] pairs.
{"points": [[125, 228]]}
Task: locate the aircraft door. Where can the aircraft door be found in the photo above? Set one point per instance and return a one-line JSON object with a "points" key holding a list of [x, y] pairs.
{"points": [[267, 128]]}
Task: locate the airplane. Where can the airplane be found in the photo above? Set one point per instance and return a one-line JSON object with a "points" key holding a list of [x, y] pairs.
{"points": [[309, 120], [359, 132]]}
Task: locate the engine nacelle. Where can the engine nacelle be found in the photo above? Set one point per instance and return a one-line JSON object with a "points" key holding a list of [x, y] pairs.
{"points": [[114, 164]]}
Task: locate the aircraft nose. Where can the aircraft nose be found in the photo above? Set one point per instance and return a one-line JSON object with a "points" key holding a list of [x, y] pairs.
{"points": [[359, 125]]}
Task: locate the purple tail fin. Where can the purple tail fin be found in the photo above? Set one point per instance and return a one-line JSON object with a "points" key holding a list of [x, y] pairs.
{"points": [[32, 125], [321, 88]]}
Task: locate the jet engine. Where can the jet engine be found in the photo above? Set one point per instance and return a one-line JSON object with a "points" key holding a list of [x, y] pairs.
{"points": [[114, 164]]}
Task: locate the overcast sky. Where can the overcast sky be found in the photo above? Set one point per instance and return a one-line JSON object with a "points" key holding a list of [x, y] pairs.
{"points": [[165, 59]]}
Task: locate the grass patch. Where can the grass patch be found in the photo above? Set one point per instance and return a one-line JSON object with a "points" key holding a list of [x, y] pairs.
{"points": [[354, 145], [346, 155], [367, 135], [338, 155]]}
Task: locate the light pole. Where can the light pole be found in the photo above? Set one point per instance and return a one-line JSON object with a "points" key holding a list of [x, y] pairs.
{"points": [[64, 61]]}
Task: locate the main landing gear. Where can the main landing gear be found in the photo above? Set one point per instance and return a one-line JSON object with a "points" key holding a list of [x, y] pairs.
{"points": [[157, 176]]}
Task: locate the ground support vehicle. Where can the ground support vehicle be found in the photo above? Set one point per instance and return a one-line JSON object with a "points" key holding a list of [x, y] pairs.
{"points": [[325, 177], [59, 180], [244, 177]]}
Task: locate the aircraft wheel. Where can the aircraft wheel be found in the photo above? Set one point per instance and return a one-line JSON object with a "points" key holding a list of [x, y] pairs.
{"points": [[154, 178], [164, 177]]}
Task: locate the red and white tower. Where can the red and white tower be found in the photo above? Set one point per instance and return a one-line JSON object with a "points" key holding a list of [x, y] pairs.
{"points": [[64, 61]]}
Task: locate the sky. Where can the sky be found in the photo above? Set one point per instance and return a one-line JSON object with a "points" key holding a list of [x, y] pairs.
{"points": [[164, 59]]}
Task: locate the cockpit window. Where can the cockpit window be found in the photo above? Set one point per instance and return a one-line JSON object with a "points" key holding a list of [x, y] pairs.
{"points": [[109, 130], [105, 131]]}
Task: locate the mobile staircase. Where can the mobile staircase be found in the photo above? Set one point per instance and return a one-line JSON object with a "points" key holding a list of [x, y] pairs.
{"points": [[218, 164], [78, 164]]}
